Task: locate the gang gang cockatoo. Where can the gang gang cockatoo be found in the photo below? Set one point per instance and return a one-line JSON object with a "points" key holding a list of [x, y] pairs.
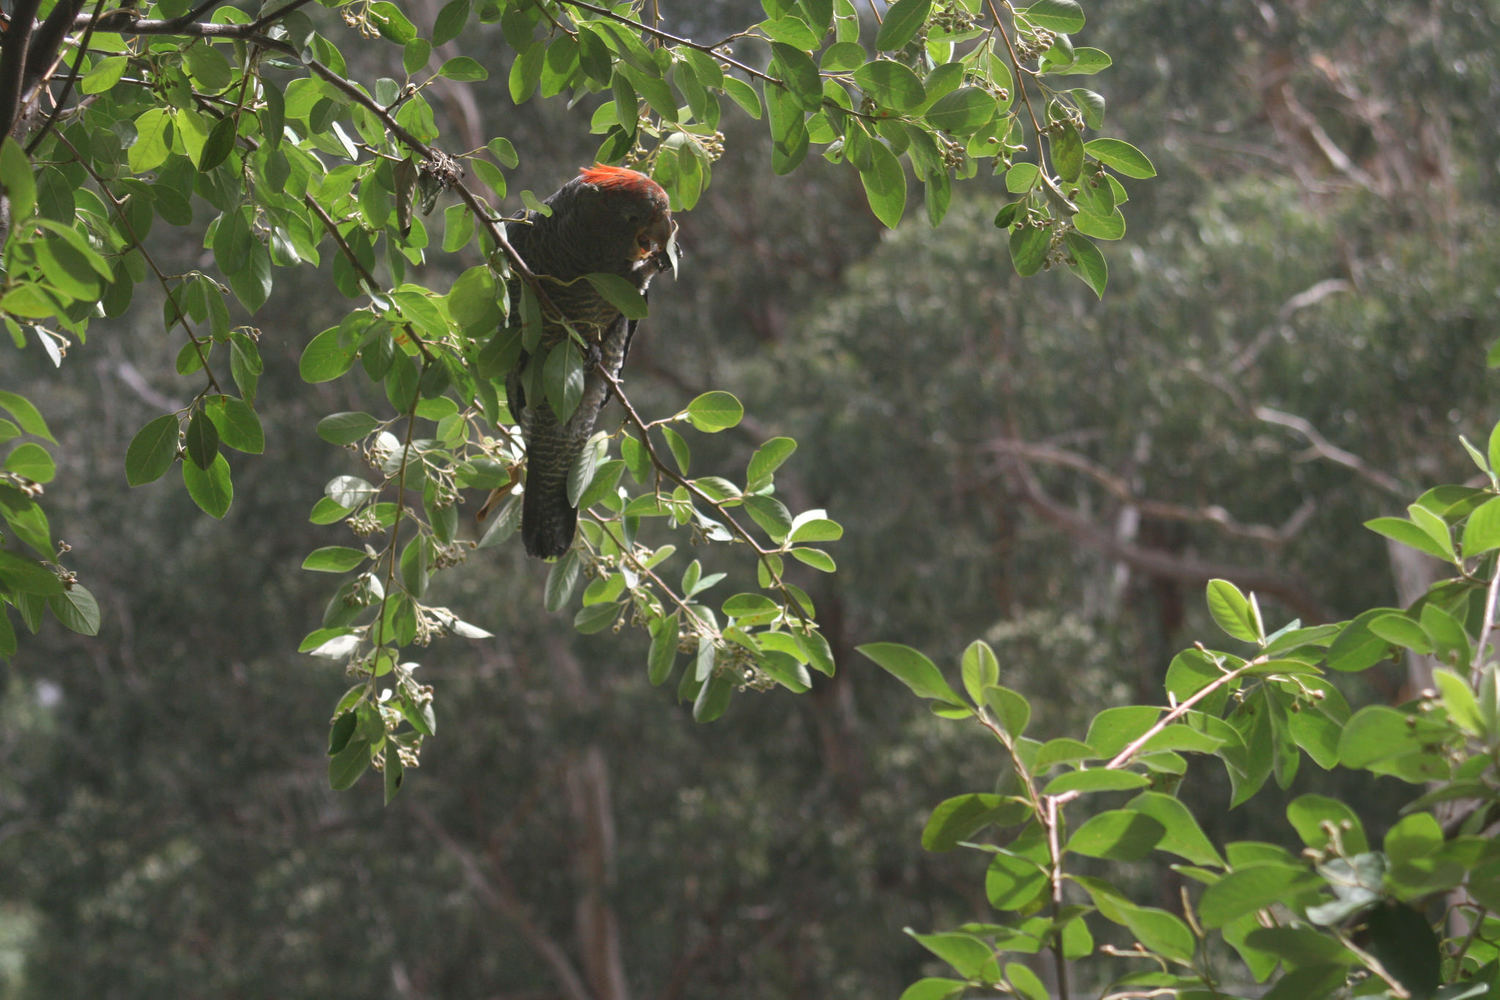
{"points": [[605, 221]]}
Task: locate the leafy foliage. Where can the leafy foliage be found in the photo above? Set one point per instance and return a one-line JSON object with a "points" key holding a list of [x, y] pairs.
{"points": [[263, 120], [1412, 918]]}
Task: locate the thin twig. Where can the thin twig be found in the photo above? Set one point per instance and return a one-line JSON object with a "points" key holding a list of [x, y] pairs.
{"points": [[667, 36], [61, 105], [391, 548], [762, 553], [177, 308], [1020, 74], [272, 17], [1489, 624]]}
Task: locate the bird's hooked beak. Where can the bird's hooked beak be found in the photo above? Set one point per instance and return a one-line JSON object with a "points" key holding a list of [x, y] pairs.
{"points": [[658, 242]]}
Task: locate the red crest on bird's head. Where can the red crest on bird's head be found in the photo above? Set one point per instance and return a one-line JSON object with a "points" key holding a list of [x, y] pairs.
{"points": [[622, 180]]}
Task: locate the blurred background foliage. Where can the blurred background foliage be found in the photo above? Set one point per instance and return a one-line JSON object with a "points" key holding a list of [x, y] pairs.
{"points": [[1291, 343]]}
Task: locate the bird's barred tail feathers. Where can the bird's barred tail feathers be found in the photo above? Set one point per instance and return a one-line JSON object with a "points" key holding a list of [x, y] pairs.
{"points": [[548, 521]]}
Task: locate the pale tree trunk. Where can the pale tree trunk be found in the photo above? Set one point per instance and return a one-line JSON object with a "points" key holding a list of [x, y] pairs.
{"points": [[1413, 573]]}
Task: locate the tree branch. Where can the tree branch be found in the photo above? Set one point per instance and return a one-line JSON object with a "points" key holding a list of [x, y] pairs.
{"points": [[1155, 562], [1122, 491], [1327, 449], [13, 57], [502, 899]]}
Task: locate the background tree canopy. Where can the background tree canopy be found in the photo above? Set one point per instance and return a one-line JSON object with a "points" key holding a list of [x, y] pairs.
{"points": [[218, 236]]}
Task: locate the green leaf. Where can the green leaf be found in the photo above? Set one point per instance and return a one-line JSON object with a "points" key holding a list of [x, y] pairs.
{"points": [[932, 988], [77, 609], [1407, 533], [347, 427], [1404, 942], [967, 953], [561, 580], [1251, 888], [582, 472], [1066, 147], [31, 461], [334, 559], [744, 95], [27, 520], [714, 411], [450, 21], [662, 655], [526, 71], [202, 440], [959, 818], [1482, 530], [16, 175], [1100, 227], [1062, 16], [210, 488], [788, 123], [962, 112], [842, 57], [1085, 261], [152, 140], [799, 73], [771, 514], [620, 293], [328, 355], [346, 766], [1114, 728], [238, 426], [152, 450], [1118, 835], [885, 185], [791, 30], [891, 85], [1096, 779], [1356, 647], [1086, 61], [980, 670], [681, 454], [219, 145], [713, 697], [1378, 733], [1436, 528], [28, 576], [1028, 248], [1459, 700], [1182, 835], [903, 19], [1061, 751], [1313, 815], [463, 69], [1121, 157], [1011, 709], [911, 668], [1160, 932], [766, 460], [1400, 630], [1013, 883], [415, 55], [1232, 612], [563, 379], [27, 416]]}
